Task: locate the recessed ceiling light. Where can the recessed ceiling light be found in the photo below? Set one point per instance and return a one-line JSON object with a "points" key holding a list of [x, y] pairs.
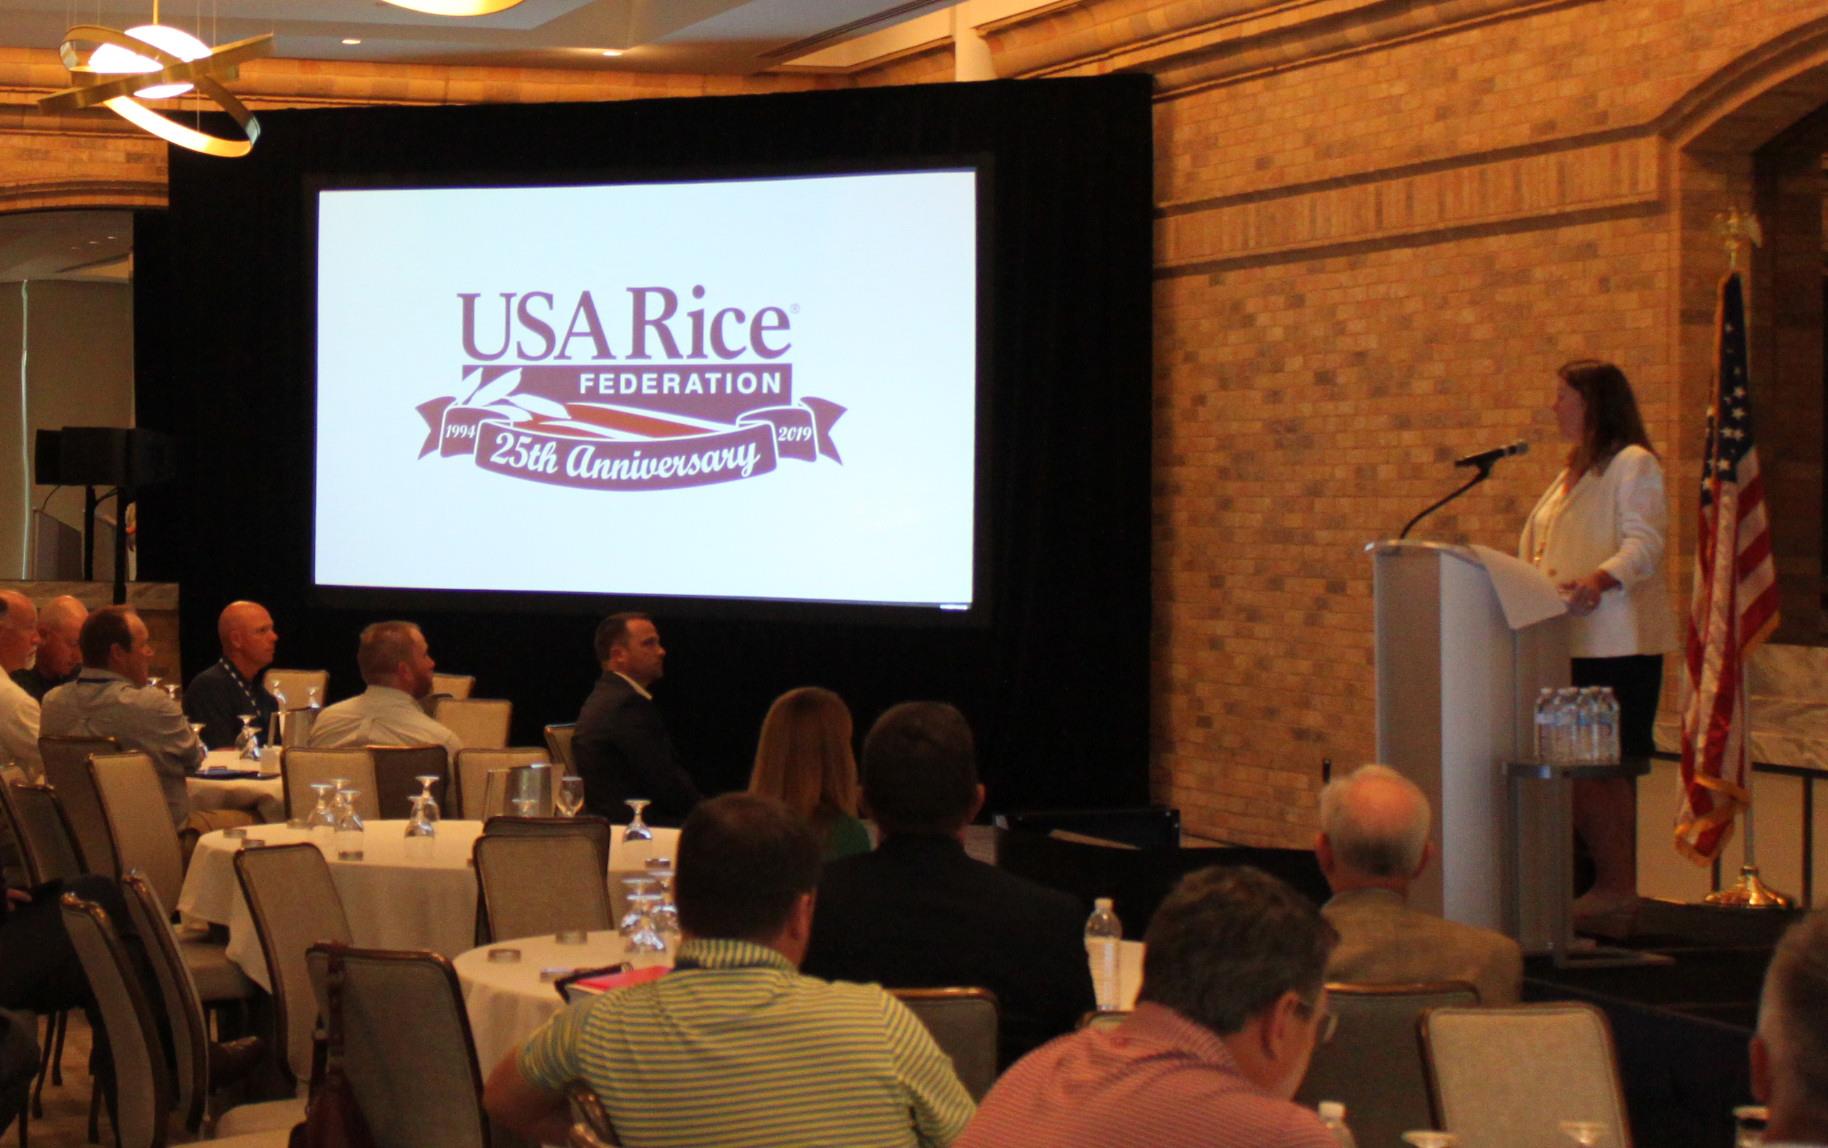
{"points": [[612, 51], [352, 41]]}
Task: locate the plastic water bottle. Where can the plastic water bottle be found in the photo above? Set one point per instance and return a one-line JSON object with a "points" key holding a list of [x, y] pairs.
{"points": [[1333, 1115], [1608, 726], [1103, 933], [1567, 727], [1545, 724], [1586, 725]]}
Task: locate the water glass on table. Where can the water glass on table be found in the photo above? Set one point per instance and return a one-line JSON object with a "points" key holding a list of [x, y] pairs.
{"points": [[569, 801], [637, 829]]}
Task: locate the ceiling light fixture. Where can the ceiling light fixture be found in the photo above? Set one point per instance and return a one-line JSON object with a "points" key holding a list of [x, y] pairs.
{"points": [[612, 51], [351, 41], [455, 7], [154, 61]]}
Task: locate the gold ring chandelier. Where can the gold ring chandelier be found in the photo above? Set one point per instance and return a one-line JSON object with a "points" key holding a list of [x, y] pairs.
{"points": [[117, 70]]}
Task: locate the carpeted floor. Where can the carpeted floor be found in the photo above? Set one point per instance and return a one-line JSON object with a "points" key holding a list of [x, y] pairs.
{"points": [[65, 1123]]}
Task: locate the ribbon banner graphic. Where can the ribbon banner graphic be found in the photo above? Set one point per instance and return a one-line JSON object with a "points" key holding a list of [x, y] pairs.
{"points": [[658, 427]]}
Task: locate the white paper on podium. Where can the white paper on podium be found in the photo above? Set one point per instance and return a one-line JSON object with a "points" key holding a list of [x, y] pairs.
{"points": [[1525, 593]]}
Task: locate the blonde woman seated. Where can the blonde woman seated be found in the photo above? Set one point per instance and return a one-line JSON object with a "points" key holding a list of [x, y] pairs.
{"points": [[804, 758]]}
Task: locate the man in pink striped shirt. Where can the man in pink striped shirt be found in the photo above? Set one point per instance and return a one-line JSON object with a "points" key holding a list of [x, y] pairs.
{"points": [[1233, 1003]]}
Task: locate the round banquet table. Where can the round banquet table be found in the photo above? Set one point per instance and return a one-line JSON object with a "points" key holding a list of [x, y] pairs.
{"points": [[507, 1002], [264, 797], [401, 895]]}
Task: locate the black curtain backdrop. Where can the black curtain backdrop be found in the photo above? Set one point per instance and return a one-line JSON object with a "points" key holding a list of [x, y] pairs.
{"points": [[1056, 686]]}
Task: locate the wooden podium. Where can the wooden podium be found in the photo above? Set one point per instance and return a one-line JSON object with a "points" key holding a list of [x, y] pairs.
{"points": [[1456, 698]]}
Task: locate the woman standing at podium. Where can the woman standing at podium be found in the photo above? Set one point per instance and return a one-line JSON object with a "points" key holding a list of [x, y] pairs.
{"points": [[1597, 532]]}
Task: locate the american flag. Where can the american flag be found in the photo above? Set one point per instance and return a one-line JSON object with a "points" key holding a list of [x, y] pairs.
{"points": [[1734, 607]]}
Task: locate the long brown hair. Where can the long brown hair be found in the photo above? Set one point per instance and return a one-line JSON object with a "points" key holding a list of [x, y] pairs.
{"points": [[1612, 421], [804, 755]]}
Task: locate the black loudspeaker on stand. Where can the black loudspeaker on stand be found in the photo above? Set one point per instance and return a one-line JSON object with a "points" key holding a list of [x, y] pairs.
{"points": [[125, 458]]}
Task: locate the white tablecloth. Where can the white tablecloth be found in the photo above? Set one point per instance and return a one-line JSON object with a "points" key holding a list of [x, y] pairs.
{"points": [[506, 1002], [265, 797], [399, 896]]}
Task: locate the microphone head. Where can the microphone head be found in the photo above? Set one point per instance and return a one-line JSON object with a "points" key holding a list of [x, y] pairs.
{"points": [[1521, 446]]}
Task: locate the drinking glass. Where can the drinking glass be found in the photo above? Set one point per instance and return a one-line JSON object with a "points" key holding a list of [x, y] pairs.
{"points": [[666, 913], [1586, 1133], [196, 728], [424, 819], [637, 884], [153, 680], [1424, 1138], [426, 781], [349, 829], [322, 820], [248, 740], [1749, 1121], [638, 922], [570, 799], [637, 829]]}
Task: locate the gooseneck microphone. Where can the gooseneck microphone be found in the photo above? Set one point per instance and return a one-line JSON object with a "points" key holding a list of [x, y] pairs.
{"points": [[1482, 463], [1485, 458]]}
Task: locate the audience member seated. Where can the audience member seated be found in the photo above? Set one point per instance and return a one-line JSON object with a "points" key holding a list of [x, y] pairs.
{"points": [[218, 696], [1373, 843], [1233, 1003], [621, 748], [1790, 1049], [110, 698], [60, 656], [394, 661], [18, 709], [804, 759], [734, 1046], [920, 913]]}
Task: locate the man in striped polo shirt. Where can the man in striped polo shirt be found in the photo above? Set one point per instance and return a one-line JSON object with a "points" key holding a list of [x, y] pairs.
{"points": [[734, 1048]]}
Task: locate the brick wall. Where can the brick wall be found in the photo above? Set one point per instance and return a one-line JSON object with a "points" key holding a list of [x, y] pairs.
{"points": [[1379, 229]]}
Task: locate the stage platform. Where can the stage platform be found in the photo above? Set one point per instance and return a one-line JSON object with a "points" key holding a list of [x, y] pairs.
{"points": [[1681, 1029]]}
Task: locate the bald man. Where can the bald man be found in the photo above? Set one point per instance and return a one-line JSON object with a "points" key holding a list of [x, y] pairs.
{"points": [[60, 658], [219, 695], [1373, 843], [18, 709]]}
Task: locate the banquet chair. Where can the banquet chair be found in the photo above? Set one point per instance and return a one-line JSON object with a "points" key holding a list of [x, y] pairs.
{"points": [[295, 905], [47, 843], [140, 837], [558, 741], [478, 722], [47, 849], [473, 766], [397, 769], [597, 829], [1374, 1064], [453, 685], [1511, 1075], [66, 766], [297, 685], [127, 785], [407, 1046], [183, 1009], [143, 1088], [540, 883], [963, 1022], [306, 765]]}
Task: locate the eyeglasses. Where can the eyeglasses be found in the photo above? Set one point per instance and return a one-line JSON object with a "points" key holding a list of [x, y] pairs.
{"points": [[1328, 1026]]}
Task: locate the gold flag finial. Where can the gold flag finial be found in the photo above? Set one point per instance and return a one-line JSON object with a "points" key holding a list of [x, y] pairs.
{"points": [[1737, 229]]}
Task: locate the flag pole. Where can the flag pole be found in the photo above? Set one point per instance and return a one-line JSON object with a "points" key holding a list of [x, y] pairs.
{"points": [[1748, 891]]}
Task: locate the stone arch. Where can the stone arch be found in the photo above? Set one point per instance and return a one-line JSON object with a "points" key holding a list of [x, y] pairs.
{"points": [[1736, 139]]}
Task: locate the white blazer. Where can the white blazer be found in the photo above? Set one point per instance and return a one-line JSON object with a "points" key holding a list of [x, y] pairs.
{"points": [[1612, 521]]}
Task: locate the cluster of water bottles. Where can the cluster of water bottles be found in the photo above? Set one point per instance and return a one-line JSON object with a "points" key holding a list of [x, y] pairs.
{"points": [[1577, 726]]}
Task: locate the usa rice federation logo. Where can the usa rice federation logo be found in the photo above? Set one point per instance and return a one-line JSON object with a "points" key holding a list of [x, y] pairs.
{"points": [[671, 396]]}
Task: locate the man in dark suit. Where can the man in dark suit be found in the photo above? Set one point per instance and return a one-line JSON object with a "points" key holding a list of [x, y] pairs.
{"points": [[621, 748], [919, 912]]}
